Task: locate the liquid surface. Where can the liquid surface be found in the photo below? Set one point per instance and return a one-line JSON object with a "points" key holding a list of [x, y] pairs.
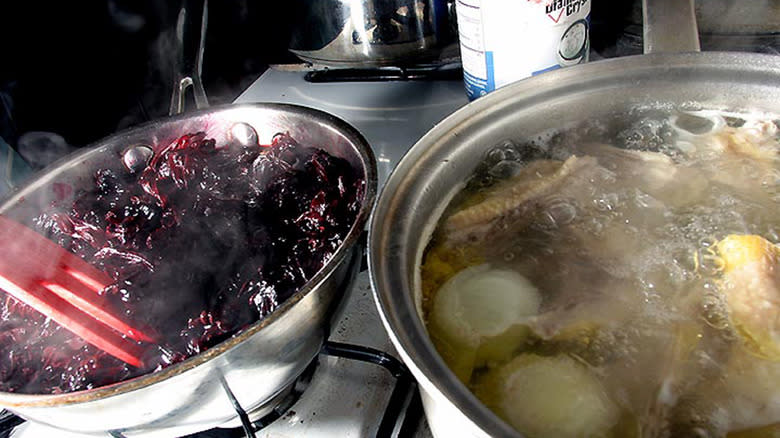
{"points": [[655, 262], [201, 243]]}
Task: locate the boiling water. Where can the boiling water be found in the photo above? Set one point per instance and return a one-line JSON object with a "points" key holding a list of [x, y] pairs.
{"points": [[629, 255]]}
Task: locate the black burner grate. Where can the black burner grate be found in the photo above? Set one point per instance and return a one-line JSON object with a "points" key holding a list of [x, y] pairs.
{"points": [[404, 395], [452, 72], [8, 422], [402, 413]]}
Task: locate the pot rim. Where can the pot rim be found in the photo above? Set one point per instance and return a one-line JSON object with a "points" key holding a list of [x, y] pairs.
{"points": [[368, 160], [389, 268]]}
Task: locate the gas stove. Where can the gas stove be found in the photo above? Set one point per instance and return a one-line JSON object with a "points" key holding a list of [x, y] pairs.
{"points": [[356, 387]]}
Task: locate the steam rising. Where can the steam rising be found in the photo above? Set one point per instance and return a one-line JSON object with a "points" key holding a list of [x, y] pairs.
{"points": [[200, 244]]}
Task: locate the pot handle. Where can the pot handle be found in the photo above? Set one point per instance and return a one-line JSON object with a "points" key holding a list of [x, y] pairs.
{"points": [[670, 26], [190, 41]]}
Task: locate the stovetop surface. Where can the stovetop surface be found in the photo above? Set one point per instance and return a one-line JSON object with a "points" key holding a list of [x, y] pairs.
{"points": [[391, 115]]}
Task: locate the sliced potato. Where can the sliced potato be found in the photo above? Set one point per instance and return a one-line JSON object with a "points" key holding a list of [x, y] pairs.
{"points": [[549, 397], [441, 263], [476, 316]]}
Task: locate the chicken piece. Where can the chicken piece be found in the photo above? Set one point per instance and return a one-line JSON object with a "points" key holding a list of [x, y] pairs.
{"points": [[653, 173], [745, 159], [743, 401], [751, 395], [751, 284], [771, 431], [511, 204], [745, 396], [756, 139]]}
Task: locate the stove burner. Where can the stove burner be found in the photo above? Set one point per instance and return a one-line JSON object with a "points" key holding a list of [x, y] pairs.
{"points": [[250, 422], [386, 74], [404, 395], [8, 422]]}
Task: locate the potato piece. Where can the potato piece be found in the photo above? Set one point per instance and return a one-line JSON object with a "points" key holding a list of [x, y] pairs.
{"points": [[476, 316], [549, 397], [460, 354], [442, 263]]}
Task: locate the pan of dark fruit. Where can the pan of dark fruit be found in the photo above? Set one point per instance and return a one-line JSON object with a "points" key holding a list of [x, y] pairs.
{"points": [[230, 233]]}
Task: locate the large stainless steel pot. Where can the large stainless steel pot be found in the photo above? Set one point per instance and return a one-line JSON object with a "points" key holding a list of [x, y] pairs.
{"points": [[255, 364], [372, 33], [435, 169]]}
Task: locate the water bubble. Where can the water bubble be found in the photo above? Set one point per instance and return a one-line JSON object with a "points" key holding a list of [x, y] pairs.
{"points": [[607, 202], [506, 150], [646, 134], [505, 169], [603, 175], [734, 122], [710, 286], [243, 134], [135, 158], [771, 180], [558, 213], [772, 235], [594, 226], [693, 124], [709, 263], [708, 241], [714, 311], [643, 200]]}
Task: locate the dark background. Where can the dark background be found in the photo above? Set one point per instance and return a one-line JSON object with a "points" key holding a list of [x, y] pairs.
{"points": [[84, 70]]}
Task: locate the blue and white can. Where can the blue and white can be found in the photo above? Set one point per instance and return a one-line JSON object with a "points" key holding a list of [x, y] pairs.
{"points": [[502, 41]]}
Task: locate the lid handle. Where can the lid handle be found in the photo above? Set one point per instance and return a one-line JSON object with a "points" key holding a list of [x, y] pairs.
{"points": [[190, 42], [670, 26]]}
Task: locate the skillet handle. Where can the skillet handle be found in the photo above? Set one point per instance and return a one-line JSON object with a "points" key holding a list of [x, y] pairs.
{"points": [[670, 26], [190, 42]]}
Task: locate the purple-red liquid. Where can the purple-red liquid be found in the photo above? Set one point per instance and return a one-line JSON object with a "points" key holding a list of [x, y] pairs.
{"points": [[202, 243]]}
